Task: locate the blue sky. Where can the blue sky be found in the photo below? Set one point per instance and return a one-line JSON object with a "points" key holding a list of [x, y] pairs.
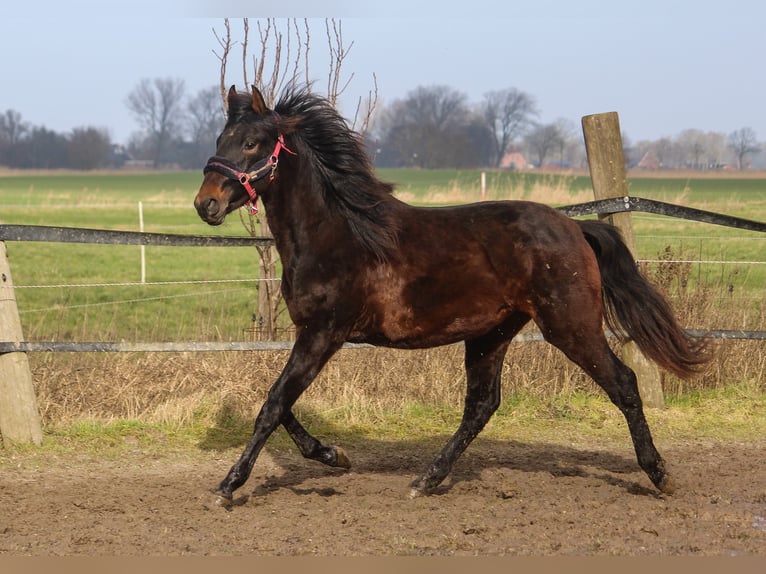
{"points": [[663, 65]]}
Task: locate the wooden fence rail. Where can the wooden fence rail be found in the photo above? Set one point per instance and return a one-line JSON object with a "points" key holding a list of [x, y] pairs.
{"points": [[218, 346], [111, 237], [40, 233]]}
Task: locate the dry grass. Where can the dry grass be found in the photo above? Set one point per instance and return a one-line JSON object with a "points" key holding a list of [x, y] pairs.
{"points": [[359, 387]]}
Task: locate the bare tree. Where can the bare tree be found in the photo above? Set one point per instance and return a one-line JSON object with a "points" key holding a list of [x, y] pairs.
{"points": [[282, 58], [436, 106], [427, 128], [89, 148], [12, 130], [12, 127], [157, 106], [507, 114], [742, 142], [691, 148], [663, 151], [544, 139], [715, 149]]}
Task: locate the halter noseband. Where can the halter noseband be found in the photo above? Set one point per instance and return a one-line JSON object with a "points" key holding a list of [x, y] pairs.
{"points": [[259, 170]]}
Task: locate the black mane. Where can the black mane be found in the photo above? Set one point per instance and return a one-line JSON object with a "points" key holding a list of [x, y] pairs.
{"points": [[343, 167], [339, 161]]}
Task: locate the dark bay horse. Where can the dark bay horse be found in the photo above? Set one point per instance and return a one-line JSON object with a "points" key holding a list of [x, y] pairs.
{"points": [[361, 266]]}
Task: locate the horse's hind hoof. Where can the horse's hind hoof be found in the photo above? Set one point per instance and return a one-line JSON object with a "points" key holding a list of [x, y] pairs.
{"points": [[667, 485], [341, 458], [222, 499]]}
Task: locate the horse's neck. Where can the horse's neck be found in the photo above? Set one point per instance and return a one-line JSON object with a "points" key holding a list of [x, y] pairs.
{"points": [[293, 211]]}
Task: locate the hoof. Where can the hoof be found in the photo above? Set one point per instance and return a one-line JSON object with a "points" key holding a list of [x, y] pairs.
{"points": [[229, 502], [418, 489], [667, 485], [415, 493], [223, 499], [341, 458]]}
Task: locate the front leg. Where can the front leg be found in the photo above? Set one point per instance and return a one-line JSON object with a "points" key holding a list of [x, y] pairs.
{"points": [[308, 356]]}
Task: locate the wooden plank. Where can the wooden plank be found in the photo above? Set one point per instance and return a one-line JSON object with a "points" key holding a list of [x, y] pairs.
{"points": [[19, 418], [606, 160], [115, 237], [11, 232], [180, 347], [216, 346]]}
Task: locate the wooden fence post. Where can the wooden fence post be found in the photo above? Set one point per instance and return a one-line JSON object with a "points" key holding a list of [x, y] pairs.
{"points": [[606, 160], [19, 418]]}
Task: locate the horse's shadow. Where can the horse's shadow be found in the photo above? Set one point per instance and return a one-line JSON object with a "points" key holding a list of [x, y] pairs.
{"points": [[408, 458]]}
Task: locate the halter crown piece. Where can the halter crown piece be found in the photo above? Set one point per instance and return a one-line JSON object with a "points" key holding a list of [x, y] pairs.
{"points": [[259, 170]]}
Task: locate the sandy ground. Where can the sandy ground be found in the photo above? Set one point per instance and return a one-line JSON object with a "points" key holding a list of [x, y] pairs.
{"points": [[503, 498]]}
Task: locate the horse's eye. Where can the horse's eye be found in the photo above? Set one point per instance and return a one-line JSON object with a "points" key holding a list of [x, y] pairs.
{"points": [[250, 145]]}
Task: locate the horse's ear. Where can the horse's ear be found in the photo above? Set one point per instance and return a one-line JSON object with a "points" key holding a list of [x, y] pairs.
{"points": [[230, 97], [259, 105]]}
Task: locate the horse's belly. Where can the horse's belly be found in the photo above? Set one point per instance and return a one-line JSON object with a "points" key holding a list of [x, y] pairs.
{"points": [[408, 329]]}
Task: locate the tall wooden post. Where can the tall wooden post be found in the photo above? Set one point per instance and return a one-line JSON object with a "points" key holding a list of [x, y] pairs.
{"points": [[19, 418], [606, 160]]}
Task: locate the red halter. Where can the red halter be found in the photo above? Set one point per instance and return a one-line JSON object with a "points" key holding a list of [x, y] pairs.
{"points": [[259, 170]]}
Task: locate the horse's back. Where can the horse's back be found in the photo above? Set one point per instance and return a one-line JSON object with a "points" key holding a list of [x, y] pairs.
{"points": [[514, 238], [513, 219]]}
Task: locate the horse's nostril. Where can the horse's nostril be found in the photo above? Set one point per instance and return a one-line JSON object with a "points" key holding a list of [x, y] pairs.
{"points": [[209, 206]]}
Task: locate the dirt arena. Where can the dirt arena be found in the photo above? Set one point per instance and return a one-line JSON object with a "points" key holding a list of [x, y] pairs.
{"points": [[503, 498]]}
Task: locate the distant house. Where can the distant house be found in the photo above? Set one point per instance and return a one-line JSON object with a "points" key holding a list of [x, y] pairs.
{"points": [[514, 160], [649, 161]]}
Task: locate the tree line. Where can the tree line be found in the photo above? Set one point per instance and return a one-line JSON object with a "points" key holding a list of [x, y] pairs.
{"points": [[174, 130], [436, 127], [431, 127]]}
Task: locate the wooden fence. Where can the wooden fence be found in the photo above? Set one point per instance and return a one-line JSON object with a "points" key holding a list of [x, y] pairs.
{"points": [[37, 233]]}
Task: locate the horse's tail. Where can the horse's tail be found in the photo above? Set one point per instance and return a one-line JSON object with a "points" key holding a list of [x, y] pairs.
{"points": [[634, 306]]}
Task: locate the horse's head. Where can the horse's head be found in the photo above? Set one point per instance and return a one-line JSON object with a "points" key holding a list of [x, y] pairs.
{"points": [[244, 165]]}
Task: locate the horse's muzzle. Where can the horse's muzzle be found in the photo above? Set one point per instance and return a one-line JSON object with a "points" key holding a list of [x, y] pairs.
{"points": [[213, 201], [210, 210]]}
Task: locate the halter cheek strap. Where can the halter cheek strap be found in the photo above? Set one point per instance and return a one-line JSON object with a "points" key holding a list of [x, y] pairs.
{"points": [[259, 170]]}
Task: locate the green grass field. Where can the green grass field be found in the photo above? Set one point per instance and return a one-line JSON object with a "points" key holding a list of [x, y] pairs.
{"points": [[224, 311]]}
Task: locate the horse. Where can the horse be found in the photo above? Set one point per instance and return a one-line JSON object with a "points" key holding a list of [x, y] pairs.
{"points": [[361, 266]]}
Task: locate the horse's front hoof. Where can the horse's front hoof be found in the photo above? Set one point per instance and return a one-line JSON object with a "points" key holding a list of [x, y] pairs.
{"points": [[415, 493], [418, 488], [341, 458]]}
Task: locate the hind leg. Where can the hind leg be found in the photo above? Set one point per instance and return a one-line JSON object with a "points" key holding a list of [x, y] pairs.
{"points": [[584, 343], [620, 384], [483, 364], [310, 447]]}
